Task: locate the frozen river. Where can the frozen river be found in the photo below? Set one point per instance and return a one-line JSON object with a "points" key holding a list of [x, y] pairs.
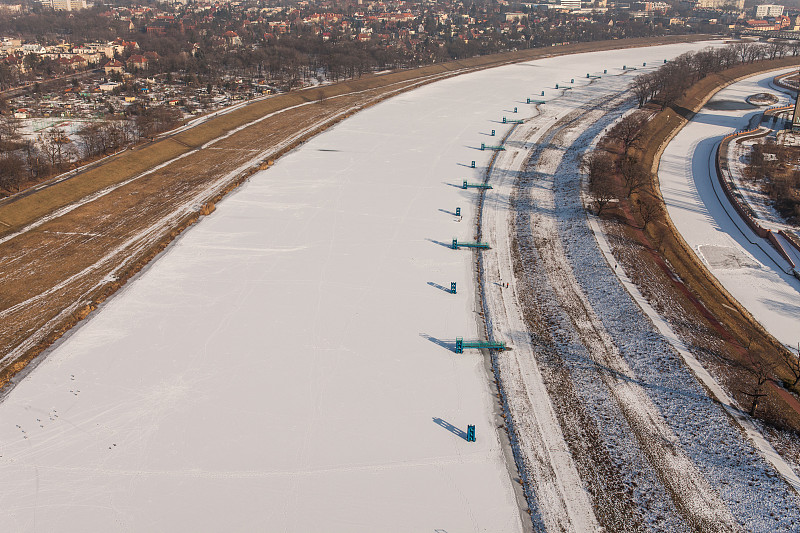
{"points": [[286, 365]]}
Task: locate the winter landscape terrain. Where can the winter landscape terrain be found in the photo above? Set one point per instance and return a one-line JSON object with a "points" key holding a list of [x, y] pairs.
{"points": [[616, 375], [746, 265], [288, 364]]}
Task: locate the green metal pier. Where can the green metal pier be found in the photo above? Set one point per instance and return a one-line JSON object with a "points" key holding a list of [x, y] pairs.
{"points": [[482, 245], [461, 345], [496, 148], [467, 185]]}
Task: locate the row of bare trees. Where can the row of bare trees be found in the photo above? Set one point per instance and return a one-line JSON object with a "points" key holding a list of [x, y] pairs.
{"points": [[670, 81], [621, 175], [26, 160], [99, 138], [102, 138]]}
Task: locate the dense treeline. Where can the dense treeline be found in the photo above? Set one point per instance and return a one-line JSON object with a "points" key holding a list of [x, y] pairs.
{"points": [[44, 25], [197, 51]]}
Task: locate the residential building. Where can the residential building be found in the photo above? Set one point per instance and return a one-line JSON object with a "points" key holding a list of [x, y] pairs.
{"points": [[232, 38], [65, 5], [510, 17], [137, 61], [108, 86], [114, 66], [719, 4], [769, 10]]}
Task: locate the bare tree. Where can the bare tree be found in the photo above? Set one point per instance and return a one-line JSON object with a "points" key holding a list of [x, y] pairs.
{"points": [[90, 136], [792, 364], [114, 136], [660, 234], [776, 49], [634, 177], [48, 146], [603, 193], [674, 78], [12, 171], [643, 88], [755, 52], [628, 131], [55, 144], [648, 211], [761, 373], [706, 62], [741, 51], [727, 56], [33, 159], [145, 125], [600, 169], [9, 127]]}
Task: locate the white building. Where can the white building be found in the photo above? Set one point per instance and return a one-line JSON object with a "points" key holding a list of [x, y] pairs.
{"points": [[33, 48], [769, 10], [109, 86], [569, 4], [65, 5], [719, 4]]}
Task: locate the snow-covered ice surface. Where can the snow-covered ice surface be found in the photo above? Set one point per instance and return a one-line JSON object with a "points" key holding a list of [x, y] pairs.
{"points": [[286, 365], [746, 265]]}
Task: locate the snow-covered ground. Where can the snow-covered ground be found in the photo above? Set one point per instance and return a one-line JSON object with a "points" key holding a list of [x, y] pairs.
{"points": [[760, 203], [653, 449], [746, 265], [757, 200], [287, 364], [32, 127]]}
